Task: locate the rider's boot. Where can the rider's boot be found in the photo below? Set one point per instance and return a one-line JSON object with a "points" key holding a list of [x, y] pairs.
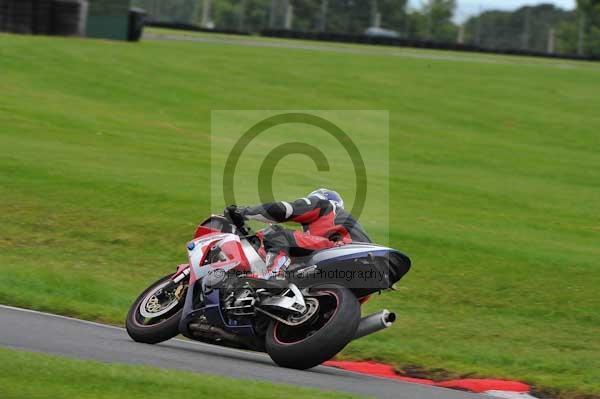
{"points": [[277, 263]]}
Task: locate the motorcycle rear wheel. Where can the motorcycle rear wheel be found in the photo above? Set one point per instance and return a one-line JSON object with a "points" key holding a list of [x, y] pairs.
{"points": [[152, 330], [320, 338]]}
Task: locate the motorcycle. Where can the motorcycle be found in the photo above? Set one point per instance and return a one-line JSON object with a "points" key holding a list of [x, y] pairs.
{"points": [[301, 319]]}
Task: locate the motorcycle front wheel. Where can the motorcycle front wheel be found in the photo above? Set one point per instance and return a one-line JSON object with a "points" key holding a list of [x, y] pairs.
{"points": [[155, 314], [322, 336]]}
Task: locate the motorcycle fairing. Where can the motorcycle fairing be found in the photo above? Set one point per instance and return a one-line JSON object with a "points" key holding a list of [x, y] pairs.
{"points": [[230, 246], [351, 257], [388, 262], [198, 250]]}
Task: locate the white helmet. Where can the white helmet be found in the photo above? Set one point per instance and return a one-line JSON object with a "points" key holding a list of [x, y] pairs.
{"points": [[330, 195]]}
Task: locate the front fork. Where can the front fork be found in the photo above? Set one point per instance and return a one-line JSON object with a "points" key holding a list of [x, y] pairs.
{"points": [[183, 271]]}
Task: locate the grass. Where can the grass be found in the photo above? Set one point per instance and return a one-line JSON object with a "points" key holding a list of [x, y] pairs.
{"points": [[368, 49], [494, 188], [57, 377]]}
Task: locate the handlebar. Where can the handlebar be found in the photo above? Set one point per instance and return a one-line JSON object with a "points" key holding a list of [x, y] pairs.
{"points": [[244, 230]]}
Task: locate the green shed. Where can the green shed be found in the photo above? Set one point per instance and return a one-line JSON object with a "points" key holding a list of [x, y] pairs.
{"points": [[108, 19]]}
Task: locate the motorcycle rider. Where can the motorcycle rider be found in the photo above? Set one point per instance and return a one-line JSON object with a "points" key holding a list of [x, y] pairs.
{"points": [[325, 224]]}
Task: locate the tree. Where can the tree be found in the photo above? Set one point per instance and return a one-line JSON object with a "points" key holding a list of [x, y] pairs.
{"points": [[526, 28], [567, 36], [350, 16], [417, 26], [307, 15], [438, 17], [393, 15], [589, 27], [244, 15]]}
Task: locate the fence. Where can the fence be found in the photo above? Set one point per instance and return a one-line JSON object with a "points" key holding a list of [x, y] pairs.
{"points": [[538, 30], [542, 29]]}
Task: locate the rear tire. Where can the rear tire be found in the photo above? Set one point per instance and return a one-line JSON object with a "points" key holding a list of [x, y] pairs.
{"points": [[294, 347], [166, 327]]}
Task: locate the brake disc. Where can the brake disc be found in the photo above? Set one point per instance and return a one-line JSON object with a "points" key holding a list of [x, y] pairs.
{"points": [[152, 306]]}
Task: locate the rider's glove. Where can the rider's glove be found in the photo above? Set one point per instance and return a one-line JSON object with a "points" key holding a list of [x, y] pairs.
{"points": [[343, 241], [235, 215]]}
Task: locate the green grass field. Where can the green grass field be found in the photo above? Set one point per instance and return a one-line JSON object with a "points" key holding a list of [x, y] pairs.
{"points": [[56, 377], [494, 187]]}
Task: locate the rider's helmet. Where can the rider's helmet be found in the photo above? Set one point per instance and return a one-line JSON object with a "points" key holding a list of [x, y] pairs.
{"points": [[330, 195]]}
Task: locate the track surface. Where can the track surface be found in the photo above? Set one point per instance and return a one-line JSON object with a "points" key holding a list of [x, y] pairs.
{"points": [[42, 332]]}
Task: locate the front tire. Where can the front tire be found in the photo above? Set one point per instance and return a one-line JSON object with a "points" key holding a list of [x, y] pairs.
{"points": [[157, 329], [320, 338]]}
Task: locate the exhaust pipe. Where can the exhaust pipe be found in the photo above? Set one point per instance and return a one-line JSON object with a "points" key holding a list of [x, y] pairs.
{"points": [[204, 329], [375, 322]]}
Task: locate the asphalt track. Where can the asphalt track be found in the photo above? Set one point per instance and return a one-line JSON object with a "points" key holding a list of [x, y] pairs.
{"points": [[42, 332]]}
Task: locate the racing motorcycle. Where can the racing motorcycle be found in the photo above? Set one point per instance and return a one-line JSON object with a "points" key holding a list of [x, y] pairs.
{"points": [[301, 319]]}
